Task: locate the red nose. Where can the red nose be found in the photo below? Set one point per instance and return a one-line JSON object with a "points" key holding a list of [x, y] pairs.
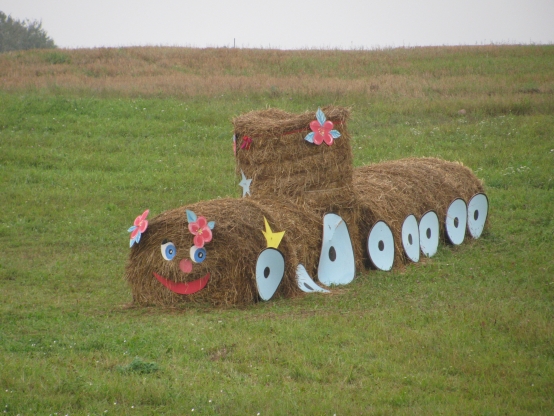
{"points": [[185, 265]]}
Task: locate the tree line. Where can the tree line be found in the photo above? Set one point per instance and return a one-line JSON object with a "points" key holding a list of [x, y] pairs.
{"points": [[22, 34]]}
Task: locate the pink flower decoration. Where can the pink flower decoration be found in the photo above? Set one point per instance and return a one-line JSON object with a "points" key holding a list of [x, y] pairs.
{"points": [[322, 133], [139, 226], [201, 230], [322, 130]]}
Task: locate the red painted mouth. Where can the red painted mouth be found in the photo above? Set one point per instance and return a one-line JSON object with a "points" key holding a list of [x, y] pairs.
{"points": [[183, 288]]}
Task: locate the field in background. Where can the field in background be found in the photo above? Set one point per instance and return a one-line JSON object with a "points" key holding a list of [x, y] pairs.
{"points": [[90, 138], [481, 76]]}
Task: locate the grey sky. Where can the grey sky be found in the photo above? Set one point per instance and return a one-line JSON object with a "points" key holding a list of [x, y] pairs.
{"points": [[289, 24]]}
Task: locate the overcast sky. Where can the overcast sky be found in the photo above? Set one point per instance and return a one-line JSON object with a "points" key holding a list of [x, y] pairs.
{"points": [[289, 24]]}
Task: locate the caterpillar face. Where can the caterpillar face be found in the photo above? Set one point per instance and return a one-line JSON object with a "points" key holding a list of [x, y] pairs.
{"points": [[196, 255], [171, 259], [201, 230]]}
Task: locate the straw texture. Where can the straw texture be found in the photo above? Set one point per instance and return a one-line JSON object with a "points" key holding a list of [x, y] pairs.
{"points": [[294, 184], [284, 166], [391, 191], [231, 255]]}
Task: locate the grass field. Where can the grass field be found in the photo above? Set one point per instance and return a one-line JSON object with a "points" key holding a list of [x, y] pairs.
{"points": [[91, 138]]}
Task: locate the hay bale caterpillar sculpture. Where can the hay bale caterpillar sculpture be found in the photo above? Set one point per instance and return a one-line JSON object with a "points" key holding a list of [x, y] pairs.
{"points": [[306, 220]]}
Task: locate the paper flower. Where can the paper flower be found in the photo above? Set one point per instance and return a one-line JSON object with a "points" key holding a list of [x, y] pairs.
{"points": [[200, 228], [246, 142], [138, 228], [322, 130]]}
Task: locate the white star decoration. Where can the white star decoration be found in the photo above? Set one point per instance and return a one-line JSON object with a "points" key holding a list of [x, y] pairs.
{"points": [[245, 183]]}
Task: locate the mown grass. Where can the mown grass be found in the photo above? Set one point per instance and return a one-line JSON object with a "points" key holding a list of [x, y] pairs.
{"points": [[468, 332]]}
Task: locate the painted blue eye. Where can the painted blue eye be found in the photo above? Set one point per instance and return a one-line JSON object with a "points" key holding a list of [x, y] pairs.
{"points": [[168, 250], [197, 255]]}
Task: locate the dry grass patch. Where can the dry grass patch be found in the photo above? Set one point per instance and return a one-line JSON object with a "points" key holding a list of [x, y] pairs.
{"points": [[424, 73]]}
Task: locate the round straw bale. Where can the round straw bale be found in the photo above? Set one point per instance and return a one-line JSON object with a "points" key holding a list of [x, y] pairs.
{"points": [[391, 191], [231, 255], [230, 259]]}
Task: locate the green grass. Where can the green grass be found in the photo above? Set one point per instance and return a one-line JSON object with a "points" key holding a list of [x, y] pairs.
{"points": [[468, 332]]}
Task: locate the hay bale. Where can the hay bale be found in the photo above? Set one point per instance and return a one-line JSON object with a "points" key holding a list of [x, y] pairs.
{"points": [[294, 184], [283, 166], [391, 191], [231, 254]]}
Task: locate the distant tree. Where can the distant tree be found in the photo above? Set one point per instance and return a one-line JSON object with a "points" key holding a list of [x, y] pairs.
{"points": [[18, 35]]}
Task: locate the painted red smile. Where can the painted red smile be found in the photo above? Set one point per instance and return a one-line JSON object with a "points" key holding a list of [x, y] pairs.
{"points": [[183, 288]]}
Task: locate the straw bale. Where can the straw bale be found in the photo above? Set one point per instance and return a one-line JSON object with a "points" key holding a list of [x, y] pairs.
{"points": [[294, 184], [282, 164], [391, 191], [231, 255]]}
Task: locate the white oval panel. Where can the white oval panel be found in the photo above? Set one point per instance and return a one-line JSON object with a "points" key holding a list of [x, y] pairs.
{"points": [[429, 233], [270, 269], [456, 221], [380, 246], [336, 261], [477, 211], [410, 238]]}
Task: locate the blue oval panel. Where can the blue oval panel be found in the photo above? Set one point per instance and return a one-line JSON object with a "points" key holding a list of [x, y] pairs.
{"points": [[336, 262], [270, 269]]}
